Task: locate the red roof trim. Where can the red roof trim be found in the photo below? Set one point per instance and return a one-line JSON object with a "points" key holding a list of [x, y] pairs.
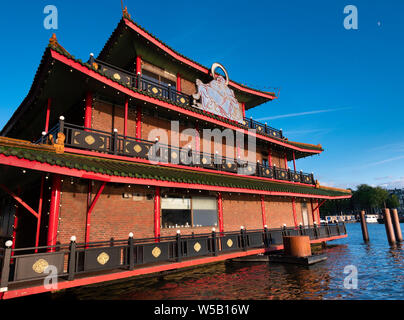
{"points": [[45, 167], [189, 62], [123, 89]]}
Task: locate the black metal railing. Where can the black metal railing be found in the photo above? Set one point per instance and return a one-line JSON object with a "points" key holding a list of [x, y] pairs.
{"points": [[167, 92], [113, 143], [68, 260]]}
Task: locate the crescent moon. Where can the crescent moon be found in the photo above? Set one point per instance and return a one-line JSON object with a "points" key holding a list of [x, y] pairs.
{"points": [[218, 65]]}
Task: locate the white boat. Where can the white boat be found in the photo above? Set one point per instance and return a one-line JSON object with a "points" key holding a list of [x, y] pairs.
{"points": [[372, 218]]}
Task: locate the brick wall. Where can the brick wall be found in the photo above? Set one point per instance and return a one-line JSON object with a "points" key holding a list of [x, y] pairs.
{"points": [[241, 210], [113, 215]]}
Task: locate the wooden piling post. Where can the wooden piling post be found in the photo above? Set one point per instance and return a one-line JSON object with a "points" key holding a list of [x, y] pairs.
{"points": [[364, 226], [389, 227], [396, 225]]}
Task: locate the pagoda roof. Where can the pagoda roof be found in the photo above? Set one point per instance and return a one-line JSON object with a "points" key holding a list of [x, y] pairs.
{"points": [[55, 52], [252, 97], [47, 158]]}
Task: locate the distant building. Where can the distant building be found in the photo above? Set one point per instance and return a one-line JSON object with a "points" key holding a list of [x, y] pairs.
{"points": [[400, 195]]}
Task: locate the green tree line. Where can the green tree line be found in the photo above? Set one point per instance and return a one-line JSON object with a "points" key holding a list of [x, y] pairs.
{"points": [[365, 197]]}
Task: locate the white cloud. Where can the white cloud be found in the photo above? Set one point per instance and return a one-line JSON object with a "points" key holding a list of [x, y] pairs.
{"points": [[299, 114]]}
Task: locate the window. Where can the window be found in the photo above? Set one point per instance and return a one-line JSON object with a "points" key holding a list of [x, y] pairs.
{"points": [[158, 79], [188, 212], [204, 211]]}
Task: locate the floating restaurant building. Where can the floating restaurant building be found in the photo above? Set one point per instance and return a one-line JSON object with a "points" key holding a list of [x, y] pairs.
{"points": [[140, 161]]}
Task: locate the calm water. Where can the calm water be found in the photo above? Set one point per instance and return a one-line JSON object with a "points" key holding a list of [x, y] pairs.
{"points": [[380, 276]]}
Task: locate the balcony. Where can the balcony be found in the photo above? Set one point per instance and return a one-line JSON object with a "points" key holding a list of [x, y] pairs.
{"points": [[115, 144], [24, 268], [155, 89]]}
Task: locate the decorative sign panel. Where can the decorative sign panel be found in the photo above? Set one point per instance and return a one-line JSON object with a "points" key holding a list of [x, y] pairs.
{"points": [[216, 97]]}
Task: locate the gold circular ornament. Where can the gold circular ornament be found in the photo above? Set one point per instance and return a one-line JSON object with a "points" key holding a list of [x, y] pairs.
{"points": [[155, 90], [117, 76], [156, 252], [267, 171], [40, 265], [89, 140], [137, 148], [174, 155], [229, 164], [182, 100], [229, 243], [204, 161], [197, 247], [103, 258]]}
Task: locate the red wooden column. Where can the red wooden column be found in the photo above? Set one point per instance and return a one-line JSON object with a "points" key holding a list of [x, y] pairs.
{"points": [[38, 224], [286, 161], [313, 212], [139, 122], [243, 108], [90, 210], [294, 211], [138, 65], [264, 218], [178, 82], [48, 107], [318, 210], [270, 156], [157, 206], [54, 211], [125, 122], [88, 110], [15, 227], [294, 161], [220, 211]]}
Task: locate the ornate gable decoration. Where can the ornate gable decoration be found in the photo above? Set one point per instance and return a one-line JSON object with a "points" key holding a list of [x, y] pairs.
{"points": [[216, 97]]}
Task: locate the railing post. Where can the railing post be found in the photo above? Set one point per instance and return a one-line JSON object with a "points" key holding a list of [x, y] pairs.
{"points": [[178, 239], [214, 248], [243, 238], [300, 229], [284, 230], [61, 124], [43, 137], [130, 254], [72, 258], [169, 91], [5, 270], [266, 238], [115, 137], [315, 230]]}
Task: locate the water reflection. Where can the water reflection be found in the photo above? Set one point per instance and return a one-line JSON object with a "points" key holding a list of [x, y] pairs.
{"points": [[380, 276]]}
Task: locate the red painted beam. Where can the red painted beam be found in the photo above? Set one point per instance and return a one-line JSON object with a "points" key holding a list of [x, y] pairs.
{"points": [[294, 161], [48, 108], [88, 110], [220, 211], [138, 65], [294, 211], [54, 210], [125, 122], [139, 122], [243, 109], [178, 82], [19, 200], [286, 161], [167, 105], [38, 224], [90, 210], [264, 218], [270, 156], [157, 210]]}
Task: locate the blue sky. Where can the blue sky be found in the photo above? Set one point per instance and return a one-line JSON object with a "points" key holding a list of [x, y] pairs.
{"points": [[341, 88]]}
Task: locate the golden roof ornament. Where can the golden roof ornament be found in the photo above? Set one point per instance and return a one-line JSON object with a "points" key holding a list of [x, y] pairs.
{"points": [[53, 40], [126, 13]]}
